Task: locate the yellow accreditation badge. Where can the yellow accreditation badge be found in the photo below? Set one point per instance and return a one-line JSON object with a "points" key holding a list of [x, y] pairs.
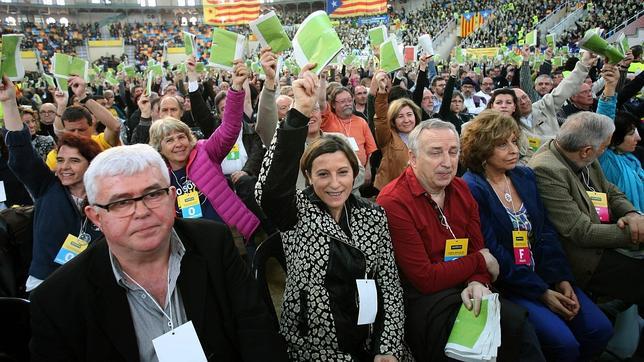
{"points": [[190, 205], [455, 248], [600, 201], [522, 252], [72, 246]]}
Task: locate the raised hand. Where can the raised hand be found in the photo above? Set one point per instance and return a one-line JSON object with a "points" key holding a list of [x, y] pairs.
{"points": [[7, 90], [305, 90], [78, 87], [145, 106], [240, 73], [191, 69], [525, 52], [61, 99], [269, 64], [422, 62]]}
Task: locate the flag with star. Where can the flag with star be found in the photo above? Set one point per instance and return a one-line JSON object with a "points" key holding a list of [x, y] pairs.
{"points": [[351, 8]]}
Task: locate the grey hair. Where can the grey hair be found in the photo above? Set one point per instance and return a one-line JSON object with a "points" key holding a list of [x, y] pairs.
{"points": [[433, 123], [543, 76], [122, 161], [584, 129]]}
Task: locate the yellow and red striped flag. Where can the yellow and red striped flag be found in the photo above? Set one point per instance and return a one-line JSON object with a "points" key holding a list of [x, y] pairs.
{"points": [[471, 22], [227, 12], [350, 8]]}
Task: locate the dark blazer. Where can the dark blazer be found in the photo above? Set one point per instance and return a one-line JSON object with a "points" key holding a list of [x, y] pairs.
{"points": [[551, 265], [80, 313]]}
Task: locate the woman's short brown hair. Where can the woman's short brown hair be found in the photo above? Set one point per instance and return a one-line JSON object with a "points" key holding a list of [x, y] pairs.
{"points": [[323, 145], [486, 131], [162, 128], [86, 146], [397, 105]]}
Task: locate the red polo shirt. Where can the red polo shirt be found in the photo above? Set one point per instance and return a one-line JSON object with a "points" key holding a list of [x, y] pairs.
{"points": [[419, 238], [357, 128]]}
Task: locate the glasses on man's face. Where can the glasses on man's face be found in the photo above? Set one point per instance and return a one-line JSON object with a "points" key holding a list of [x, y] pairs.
{"points": [[126, 207], [47, 112]]}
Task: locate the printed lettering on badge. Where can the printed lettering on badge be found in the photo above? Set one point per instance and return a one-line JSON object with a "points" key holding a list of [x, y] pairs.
{"points": [[455, 248]]}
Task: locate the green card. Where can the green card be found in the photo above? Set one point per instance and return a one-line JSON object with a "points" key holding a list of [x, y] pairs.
{"points": [[531, 38], [459, 57], [551, 40], [316, 41], [391, 58], [49, 79], [189, 45], [468, 328], [11, 61], [622, 44], [269, 31], [65, 66], [558, 61], [377, 35], [129, 71], [226, 47], [200, 67]]}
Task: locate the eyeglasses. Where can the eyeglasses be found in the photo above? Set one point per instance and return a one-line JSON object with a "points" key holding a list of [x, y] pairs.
{"points": [[48, 112], [125, 208]]}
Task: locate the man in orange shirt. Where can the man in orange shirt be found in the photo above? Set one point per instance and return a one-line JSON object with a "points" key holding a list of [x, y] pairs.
{"points": [[337, 116]]}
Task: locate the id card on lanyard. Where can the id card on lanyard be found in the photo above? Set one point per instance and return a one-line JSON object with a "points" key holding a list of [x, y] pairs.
{"points": [[190, 205], [600, 201], [522, 252], [455, 248]]}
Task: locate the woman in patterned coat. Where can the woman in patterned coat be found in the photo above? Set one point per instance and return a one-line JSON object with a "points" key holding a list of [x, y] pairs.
{"points": [[333, 241]]}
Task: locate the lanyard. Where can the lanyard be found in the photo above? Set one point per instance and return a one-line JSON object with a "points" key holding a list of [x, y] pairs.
{"points": [[514, 216], [82, 235], [586, 179], [168, 298], [443, 221], [346, 132]]}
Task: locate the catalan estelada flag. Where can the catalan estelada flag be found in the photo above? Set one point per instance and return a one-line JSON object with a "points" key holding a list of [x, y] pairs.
{"points": [[471, 22], [227, 12], [349, 8]]}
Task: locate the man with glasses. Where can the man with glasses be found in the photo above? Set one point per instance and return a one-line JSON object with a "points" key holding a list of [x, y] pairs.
{"points": [[338, 116], [155, 287], [47, 118], [487, 87]]}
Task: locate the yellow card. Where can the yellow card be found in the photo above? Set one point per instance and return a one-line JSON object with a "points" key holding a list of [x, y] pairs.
{"points": [[189, 199], [455, 248], [598, 198], [519, 238], [534, 143]]}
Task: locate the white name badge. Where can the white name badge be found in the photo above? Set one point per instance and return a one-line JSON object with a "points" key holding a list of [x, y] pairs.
{"points": [[180, 344], [353, 144], [3, 194], [368, 299]]}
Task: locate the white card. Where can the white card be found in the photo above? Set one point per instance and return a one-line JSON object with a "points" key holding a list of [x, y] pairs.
{"points": [[368, 298], [180, 344], [353, 144], [3, 195]]}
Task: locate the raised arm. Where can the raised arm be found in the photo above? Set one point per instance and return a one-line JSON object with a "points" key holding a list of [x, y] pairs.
{"points": [[449, 90], [24, 161], [525, 80], [223, 139], [383, 129], [102, 114], [275, 191], [267, 113], [199, 108], [421, 81]]}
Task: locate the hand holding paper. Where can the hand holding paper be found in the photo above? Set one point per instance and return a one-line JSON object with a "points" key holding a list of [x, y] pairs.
{"points": [[472, 296], [269, 65], [7, 90], [425, 42], [391, 58], [240, 73], [226, 47], [78, 86], [61, 99], [305, 90]]}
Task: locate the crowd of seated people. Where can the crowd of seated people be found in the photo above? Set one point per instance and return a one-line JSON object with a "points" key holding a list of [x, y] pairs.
{"points": [[368, 178]]}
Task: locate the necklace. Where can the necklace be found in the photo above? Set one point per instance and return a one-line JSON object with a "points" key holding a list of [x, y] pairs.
{"points": [[506, 193]]}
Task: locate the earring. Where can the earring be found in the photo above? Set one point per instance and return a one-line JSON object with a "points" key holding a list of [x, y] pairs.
{"points": [[484, 164]]}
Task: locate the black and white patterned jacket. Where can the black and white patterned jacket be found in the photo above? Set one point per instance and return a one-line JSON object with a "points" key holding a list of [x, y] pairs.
{"points": [[319, 312]]}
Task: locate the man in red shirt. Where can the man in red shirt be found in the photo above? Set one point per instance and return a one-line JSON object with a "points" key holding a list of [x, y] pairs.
{"points": [[438, 244], [337, 116]]}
